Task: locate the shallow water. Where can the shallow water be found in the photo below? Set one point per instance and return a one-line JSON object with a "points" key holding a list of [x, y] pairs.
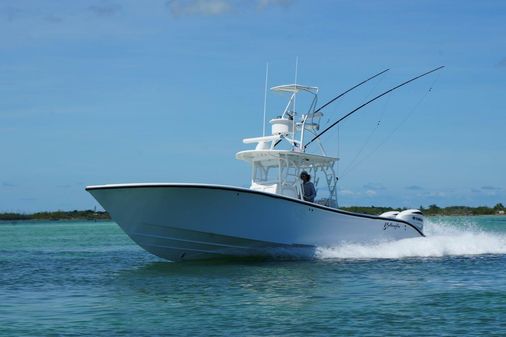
{"points": [[86, 278]]}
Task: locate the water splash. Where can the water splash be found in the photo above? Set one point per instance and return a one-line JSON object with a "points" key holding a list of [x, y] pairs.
{"points": [[442, 239]]}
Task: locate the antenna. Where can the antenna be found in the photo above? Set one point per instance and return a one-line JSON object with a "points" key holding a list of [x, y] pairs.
{"points": [[294, 127], [295, 82], [296, 67], [265, 94]]}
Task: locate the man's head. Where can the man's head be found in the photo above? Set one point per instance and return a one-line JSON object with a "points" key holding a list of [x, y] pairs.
{"points": [[305, 176]]}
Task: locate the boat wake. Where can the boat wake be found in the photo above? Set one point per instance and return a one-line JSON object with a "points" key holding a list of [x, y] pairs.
{"points": [[442, 239]]}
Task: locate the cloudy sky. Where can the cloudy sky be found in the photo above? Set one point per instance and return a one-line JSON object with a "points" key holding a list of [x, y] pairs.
{"points": [[109, 91]]}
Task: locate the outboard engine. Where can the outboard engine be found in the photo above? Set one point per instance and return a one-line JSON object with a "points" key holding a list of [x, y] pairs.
{"points": [[391, 214], [413, 216]]}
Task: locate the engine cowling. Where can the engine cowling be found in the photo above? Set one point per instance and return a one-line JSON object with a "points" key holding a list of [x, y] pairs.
{"points": [[391, 214], [413, 216]]}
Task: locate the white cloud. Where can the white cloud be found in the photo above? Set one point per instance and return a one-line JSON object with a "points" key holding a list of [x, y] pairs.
{"points": [[346, 192], [199, 7], [439, 194], [263, 4], [371, 193], [490, 188], [12, 13], [105, 9], [219, 7], [374, 186]]}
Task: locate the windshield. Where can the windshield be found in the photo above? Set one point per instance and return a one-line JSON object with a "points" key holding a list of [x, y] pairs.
{"points": [[264, 173]]}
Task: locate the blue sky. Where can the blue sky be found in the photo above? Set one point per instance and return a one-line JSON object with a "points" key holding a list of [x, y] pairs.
{"points": [[109, 91]]}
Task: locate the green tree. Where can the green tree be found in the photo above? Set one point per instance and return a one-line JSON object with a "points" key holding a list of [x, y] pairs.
{"points": [[499, 207]]}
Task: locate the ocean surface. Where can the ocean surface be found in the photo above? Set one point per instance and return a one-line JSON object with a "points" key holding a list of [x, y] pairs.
{"points": [[89, 279]]}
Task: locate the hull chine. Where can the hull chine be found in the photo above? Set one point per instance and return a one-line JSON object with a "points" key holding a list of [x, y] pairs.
{"points": [[177, 245]]}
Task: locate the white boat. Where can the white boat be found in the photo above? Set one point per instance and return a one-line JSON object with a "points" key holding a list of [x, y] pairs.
{"points": [[199, 221]]}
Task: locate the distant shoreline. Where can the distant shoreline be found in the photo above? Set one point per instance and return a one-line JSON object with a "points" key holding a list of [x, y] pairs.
{"points": [[434, 210], [91, 215], [88, 215]]}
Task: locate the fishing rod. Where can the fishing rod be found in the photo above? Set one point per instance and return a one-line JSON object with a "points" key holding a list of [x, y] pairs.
{"points": [[344, 93], [370, 101], [350, 89]]}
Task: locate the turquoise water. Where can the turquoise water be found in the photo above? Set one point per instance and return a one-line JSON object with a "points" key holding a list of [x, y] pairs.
{"points": [[86, 278]]}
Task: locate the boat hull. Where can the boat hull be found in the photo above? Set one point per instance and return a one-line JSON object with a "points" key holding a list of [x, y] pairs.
{"points": [[188, 221]]}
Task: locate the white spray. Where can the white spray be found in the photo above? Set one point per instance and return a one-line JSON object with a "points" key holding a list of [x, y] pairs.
{"points": [[442, 239]]}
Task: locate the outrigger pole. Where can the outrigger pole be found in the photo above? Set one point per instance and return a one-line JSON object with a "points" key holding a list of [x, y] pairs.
{"points": [[344, 93], [369, 101], [350, 89]]}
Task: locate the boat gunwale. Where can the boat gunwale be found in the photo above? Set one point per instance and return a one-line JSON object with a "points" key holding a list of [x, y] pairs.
{"points": [[246, 190]]}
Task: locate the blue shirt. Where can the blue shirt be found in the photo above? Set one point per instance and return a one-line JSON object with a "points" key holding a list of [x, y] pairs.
{"points": [[308, 191]]}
